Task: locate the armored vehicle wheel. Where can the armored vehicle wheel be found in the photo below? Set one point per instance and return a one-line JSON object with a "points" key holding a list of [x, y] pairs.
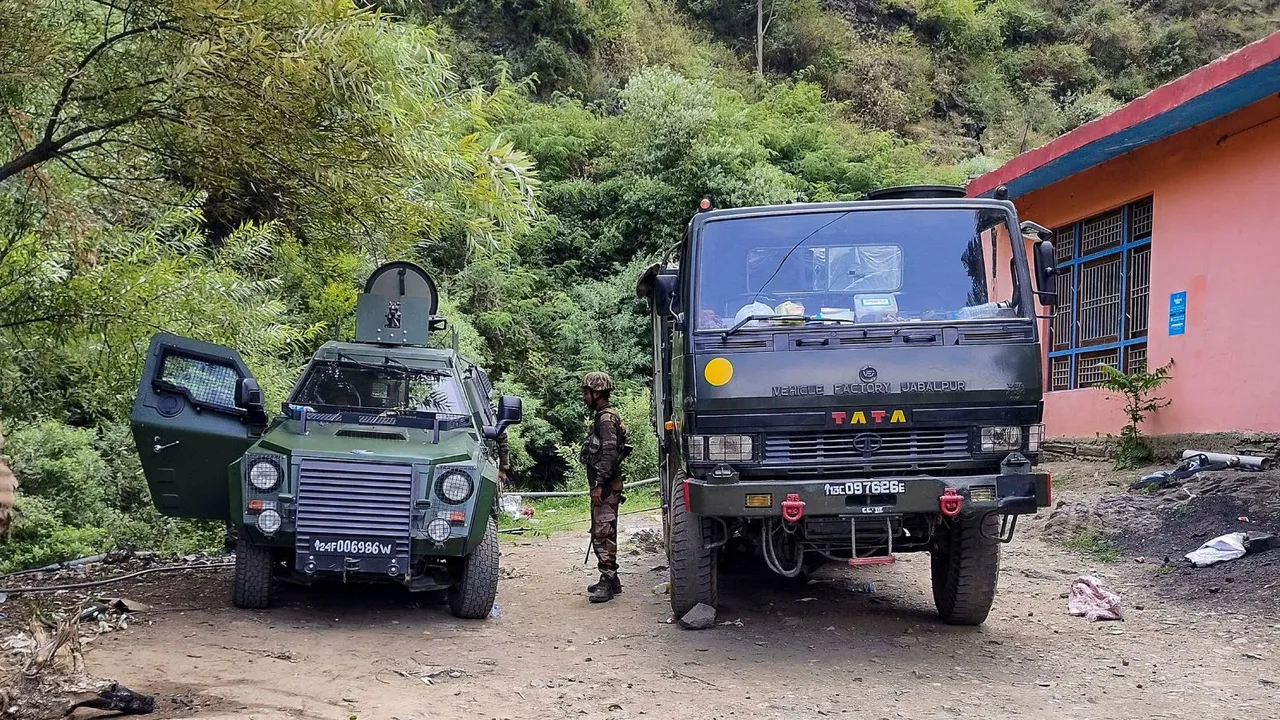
{"points": [[473, 594], [253, 582], [965, 566], [693, 564]]}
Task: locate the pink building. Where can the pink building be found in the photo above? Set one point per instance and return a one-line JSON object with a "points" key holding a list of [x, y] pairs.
{"points": [[1166, 213]]}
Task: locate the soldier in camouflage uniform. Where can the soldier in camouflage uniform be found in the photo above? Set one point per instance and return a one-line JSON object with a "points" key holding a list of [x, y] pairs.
{"points": [[504, 461], [8, 490], [602, 455]]}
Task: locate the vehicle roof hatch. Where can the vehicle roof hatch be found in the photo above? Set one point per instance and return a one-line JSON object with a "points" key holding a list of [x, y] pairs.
{"points": [[914, 192]]}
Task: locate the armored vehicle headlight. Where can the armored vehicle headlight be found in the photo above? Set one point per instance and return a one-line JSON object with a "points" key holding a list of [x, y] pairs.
{"points": [[438, 530], [1001, 439], [729, 448], [264, 474], [454, 486], [269, 521]]}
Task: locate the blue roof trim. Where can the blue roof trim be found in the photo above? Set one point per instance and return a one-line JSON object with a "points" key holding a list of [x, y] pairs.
{"points": [[1210, 105]]}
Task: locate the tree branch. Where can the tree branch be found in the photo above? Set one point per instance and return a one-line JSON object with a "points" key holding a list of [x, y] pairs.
{"points": [[65, 95]]}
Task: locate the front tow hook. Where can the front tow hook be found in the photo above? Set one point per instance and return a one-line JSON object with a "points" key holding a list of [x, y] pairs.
{"points": [[950, 502], [792, 508]]}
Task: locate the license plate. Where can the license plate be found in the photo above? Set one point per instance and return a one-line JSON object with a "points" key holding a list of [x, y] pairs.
{"points": [[866, 487], [353, 547]]}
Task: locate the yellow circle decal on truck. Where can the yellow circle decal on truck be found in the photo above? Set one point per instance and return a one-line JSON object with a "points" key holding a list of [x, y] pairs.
{"points": [[718, 371]]}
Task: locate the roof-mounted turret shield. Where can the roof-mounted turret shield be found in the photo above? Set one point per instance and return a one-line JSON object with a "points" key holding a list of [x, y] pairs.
{"points": [[398, 306]]}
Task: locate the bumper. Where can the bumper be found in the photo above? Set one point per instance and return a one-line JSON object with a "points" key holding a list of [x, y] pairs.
{"points": [[1012, 494]]}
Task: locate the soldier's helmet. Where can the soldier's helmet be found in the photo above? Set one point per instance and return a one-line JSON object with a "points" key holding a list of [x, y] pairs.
{"points": [[598, 381]]}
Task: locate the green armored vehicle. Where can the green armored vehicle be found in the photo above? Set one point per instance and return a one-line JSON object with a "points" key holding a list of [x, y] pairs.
{"points": [[848, 382], [376, 469]]}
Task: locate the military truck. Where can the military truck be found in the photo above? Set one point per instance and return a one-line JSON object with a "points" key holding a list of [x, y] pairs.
{"points": [[849, 381], [376, 469]]}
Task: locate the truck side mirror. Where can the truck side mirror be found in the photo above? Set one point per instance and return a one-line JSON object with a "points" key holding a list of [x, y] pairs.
{"points": [[510, 412], [249, 395], [665, 287], [1046, 272]]}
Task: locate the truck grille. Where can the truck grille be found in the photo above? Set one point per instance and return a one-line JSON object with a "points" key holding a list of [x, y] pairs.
{"points": [[354, 500], [927, 444]]}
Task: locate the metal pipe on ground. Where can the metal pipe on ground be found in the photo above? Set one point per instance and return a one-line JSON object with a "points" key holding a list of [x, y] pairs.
{"points": [[535, 495], [1251, 462]]}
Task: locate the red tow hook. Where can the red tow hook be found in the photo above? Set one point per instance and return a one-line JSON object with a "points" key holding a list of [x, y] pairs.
{"points": [[792, 508], [950, 502]]}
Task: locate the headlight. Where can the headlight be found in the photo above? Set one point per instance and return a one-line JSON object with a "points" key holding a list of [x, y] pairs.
{"points": [[729, 448], [438, 530], [264, 475], [1035, 434], [269, 521], [454, 486], [1001, 439]]}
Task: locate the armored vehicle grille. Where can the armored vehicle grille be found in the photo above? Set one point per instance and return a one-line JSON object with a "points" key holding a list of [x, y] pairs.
{"points": [[359, 500], [894, 446]]}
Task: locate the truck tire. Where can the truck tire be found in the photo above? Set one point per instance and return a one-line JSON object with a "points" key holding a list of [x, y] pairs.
{"points": [[693, 565], [472, 596], [252, 587], [965, 565]]}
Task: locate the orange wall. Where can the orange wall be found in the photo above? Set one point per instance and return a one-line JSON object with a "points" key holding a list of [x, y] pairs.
{"points": [[1216, 235]]}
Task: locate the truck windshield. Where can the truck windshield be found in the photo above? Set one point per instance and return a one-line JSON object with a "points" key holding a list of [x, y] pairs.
{"points": [[349, 385], [853, 266]]}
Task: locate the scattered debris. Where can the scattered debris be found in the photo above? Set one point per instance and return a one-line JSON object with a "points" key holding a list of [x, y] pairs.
{"points": [[1090, 599], [701, 617], [662, 588], [1229, 547], [429, 674], [646, 540]]}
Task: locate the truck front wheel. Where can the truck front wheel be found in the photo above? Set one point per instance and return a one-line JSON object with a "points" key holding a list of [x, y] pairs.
{"points": [[965, 565], [472, 595], [252, 586], [693, 564]]}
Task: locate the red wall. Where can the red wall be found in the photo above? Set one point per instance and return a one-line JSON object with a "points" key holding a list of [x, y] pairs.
{"points": [[1216, 235]]}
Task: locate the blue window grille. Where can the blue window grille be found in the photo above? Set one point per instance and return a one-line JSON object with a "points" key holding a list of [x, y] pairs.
{"points": [[1104, 301]]}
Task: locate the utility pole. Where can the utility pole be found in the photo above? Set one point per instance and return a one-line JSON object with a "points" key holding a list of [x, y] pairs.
{"points": [[760, 38]]}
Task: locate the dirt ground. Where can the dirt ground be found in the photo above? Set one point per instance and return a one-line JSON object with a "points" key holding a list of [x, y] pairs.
{"points": [[783, 650]]}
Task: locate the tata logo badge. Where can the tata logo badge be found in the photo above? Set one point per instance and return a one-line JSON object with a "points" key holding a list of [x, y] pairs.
{"points": [[867, 443], [868, 374], [869, 417]]}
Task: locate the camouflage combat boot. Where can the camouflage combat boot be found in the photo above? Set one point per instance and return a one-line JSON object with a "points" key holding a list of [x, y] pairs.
{"points": [[603, 591], [617, 585]]}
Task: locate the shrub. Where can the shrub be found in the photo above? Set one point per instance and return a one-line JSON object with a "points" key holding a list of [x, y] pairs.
{"points": [[1138, 388]]}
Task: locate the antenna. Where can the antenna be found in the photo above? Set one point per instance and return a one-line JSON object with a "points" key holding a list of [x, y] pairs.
{"points": [[455, 341]]}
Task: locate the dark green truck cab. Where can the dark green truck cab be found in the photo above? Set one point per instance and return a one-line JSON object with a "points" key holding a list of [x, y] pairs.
{"points": [[376, 468], [850, 381]]}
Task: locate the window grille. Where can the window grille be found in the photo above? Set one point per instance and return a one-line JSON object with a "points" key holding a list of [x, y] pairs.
{"points": [[1104, 296]]}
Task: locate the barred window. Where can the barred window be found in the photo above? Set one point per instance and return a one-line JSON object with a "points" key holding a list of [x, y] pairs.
{"points": [[206, 381], [1103, 296]]}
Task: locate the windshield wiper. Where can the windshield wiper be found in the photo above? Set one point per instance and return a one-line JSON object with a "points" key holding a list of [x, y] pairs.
{"points": [[343, 357], [807, 318]]}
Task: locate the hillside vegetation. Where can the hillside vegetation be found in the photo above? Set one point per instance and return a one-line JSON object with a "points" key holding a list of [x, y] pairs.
{"points": [[232, 171]]}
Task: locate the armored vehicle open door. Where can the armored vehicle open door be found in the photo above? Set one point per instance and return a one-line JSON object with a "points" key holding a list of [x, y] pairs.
{"points": [[197, 410]]}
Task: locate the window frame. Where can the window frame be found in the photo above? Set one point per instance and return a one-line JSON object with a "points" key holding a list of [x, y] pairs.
{"points": [[1129, 246]]}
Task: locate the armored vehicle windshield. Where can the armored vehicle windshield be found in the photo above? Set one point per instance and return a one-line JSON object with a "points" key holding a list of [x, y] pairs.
{"points": [[853, 267], [352, 385]]}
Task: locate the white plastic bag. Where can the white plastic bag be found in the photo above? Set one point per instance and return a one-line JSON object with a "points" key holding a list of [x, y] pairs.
{"points": [[1220, 549], [510, 505]]}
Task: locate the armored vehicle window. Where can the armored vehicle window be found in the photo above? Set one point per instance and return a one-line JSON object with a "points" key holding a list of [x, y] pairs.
{"points": [[391, 387], [862, 266], [205, 381]]}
